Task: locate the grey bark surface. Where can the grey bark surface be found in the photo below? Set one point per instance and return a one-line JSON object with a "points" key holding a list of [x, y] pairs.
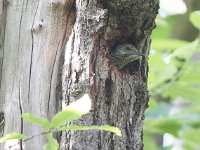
{"points": [[32, 37], [119, 96]]}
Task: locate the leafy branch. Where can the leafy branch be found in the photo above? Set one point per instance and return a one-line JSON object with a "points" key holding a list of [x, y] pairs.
{"points": [[59, 122]]}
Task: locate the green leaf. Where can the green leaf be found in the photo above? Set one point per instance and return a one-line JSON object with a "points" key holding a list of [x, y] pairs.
{"points": [[160, 73], [194, 109], [187, 51], [52, 144], [195, 19], [65, 116], [167, 43], [188, 84], [163, 125], [12, 136], [149, 142], [104, 127], [72, 112], [33, 119], [191, 139], [181, 90], [193, 123], [165, 27]]}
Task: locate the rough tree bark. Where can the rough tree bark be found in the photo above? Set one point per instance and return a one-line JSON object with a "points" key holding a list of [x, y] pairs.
{"points": [[34, 36], [119, 96]]}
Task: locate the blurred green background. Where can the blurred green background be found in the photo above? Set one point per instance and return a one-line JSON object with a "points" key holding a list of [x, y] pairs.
{"points": [[173, 118]]}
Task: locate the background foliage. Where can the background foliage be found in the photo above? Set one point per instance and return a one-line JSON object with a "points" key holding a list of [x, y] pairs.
{"points": [[173, 117]]}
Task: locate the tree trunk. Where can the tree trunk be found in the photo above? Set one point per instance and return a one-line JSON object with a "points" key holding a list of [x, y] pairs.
{"points": [[119, 96], [34, 36]]}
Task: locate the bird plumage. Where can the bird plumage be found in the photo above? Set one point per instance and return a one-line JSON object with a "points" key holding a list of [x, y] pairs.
{"points": [[124, 54]]}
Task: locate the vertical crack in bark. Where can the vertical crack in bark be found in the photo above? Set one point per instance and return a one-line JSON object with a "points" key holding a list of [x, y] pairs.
{"points": [[32, 47], [18, 48], [70, 12], [26, 5], [51, 78], [21, 111], [2, 61], [69, 20]]}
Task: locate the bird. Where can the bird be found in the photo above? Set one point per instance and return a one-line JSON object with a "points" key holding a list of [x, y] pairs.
{"points": [[124, 54]]}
